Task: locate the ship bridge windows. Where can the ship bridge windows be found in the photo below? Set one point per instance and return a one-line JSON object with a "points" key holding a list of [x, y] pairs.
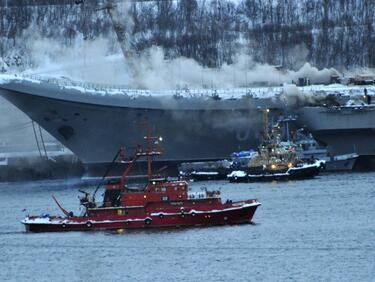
{"points": [[112, 198]]}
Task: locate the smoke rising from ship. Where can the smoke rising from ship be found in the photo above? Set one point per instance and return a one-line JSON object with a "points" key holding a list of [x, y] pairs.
{"points": [[99, 60], [93, 61]]}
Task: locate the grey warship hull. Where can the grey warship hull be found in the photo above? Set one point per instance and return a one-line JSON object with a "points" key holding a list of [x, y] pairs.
{"points": [[94, 122], [349, 129], [95, 126]]}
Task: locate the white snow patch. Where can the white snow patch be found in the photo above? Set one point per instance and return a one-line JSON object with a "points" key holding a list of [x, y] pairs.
{"points": [[6, 78], [237, 173], [288, 92]]}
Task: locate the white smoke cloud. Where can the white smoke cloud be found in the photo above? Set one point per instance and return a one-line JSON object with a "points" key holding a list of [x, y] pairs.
{"points": [[92, 61], [95, 61], [84, 60]]}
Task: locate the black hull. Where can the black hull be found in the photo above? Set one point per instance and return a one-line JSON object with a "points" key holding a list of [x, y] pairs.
{"points": [[298, 174], [207, 177]]}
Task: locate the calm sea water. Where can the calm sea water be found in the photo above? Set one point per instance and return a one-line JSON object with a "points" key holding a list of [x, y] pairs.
{"points": [[314, 230]]}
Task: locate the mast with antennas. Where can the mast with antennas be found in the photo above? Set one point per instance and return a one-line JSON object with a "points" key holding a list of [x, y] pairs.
{"points": [[121, 30]]}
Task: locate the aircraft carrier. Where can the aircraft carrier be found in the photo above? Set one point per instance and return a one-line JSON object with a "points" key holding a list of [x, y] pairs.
{"points": [[94, 121]]}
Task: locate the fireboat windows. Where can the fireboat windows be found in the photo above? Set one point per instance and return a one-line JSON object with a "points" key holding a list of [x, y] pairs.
{"points": [[112, 198], [165, 198], [138, 183]]}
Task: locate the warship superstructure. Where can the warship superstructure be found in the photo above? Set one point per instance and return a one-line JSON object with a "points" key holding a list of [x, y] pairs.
{"points": [[344, 129]]}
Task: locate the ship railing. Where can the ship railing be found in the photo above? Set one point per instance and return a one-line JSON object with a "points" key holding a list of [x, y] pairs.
{"points": [[197, 195], [203, 195], [215, 94], [67, 82], [103, 205]]}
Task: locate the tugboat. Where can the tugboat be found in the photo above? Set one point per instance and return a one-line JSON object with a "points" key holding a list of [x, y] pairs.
{"points": [[308, 148], [158, 204], [275, 160], [276, 163]]}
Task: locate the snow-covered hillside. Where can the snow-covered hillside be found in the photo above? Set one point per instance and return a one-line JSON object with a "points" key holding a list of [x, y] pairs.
{"points": [[325, 33]]}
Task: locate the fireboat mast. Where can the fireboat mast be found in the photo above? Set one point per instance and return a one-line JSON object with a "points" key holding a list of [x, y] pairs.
{"points": [[140, 152], [266, 134], [151, 151]]}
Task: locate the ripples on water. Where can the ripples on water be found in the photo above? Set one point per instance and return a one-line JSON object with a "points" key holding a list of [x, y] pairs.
{"points": [[321, 229]]}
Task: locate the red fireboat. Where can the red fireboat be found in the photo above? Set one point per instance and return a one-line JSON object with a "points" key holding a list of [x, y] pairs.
{"points": [[158, 204]]}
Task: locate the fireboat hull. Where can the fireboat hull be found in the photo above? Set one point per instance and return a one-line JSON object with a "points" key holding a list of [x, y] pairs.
{"points": [[233, 213]]}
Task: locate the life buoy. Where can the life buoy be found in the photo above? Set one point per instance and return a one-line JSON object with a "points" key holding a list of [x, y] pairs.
{"points": [[148, 221], [193, 214], [63, 225], [88, 224], [161, 215]]}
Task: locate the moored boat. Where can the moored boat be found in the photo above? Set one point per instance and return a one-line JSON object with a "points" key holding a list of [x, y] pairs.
{"points": [[308, 148], [298, 172], [275, 160], [157, 204]]}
